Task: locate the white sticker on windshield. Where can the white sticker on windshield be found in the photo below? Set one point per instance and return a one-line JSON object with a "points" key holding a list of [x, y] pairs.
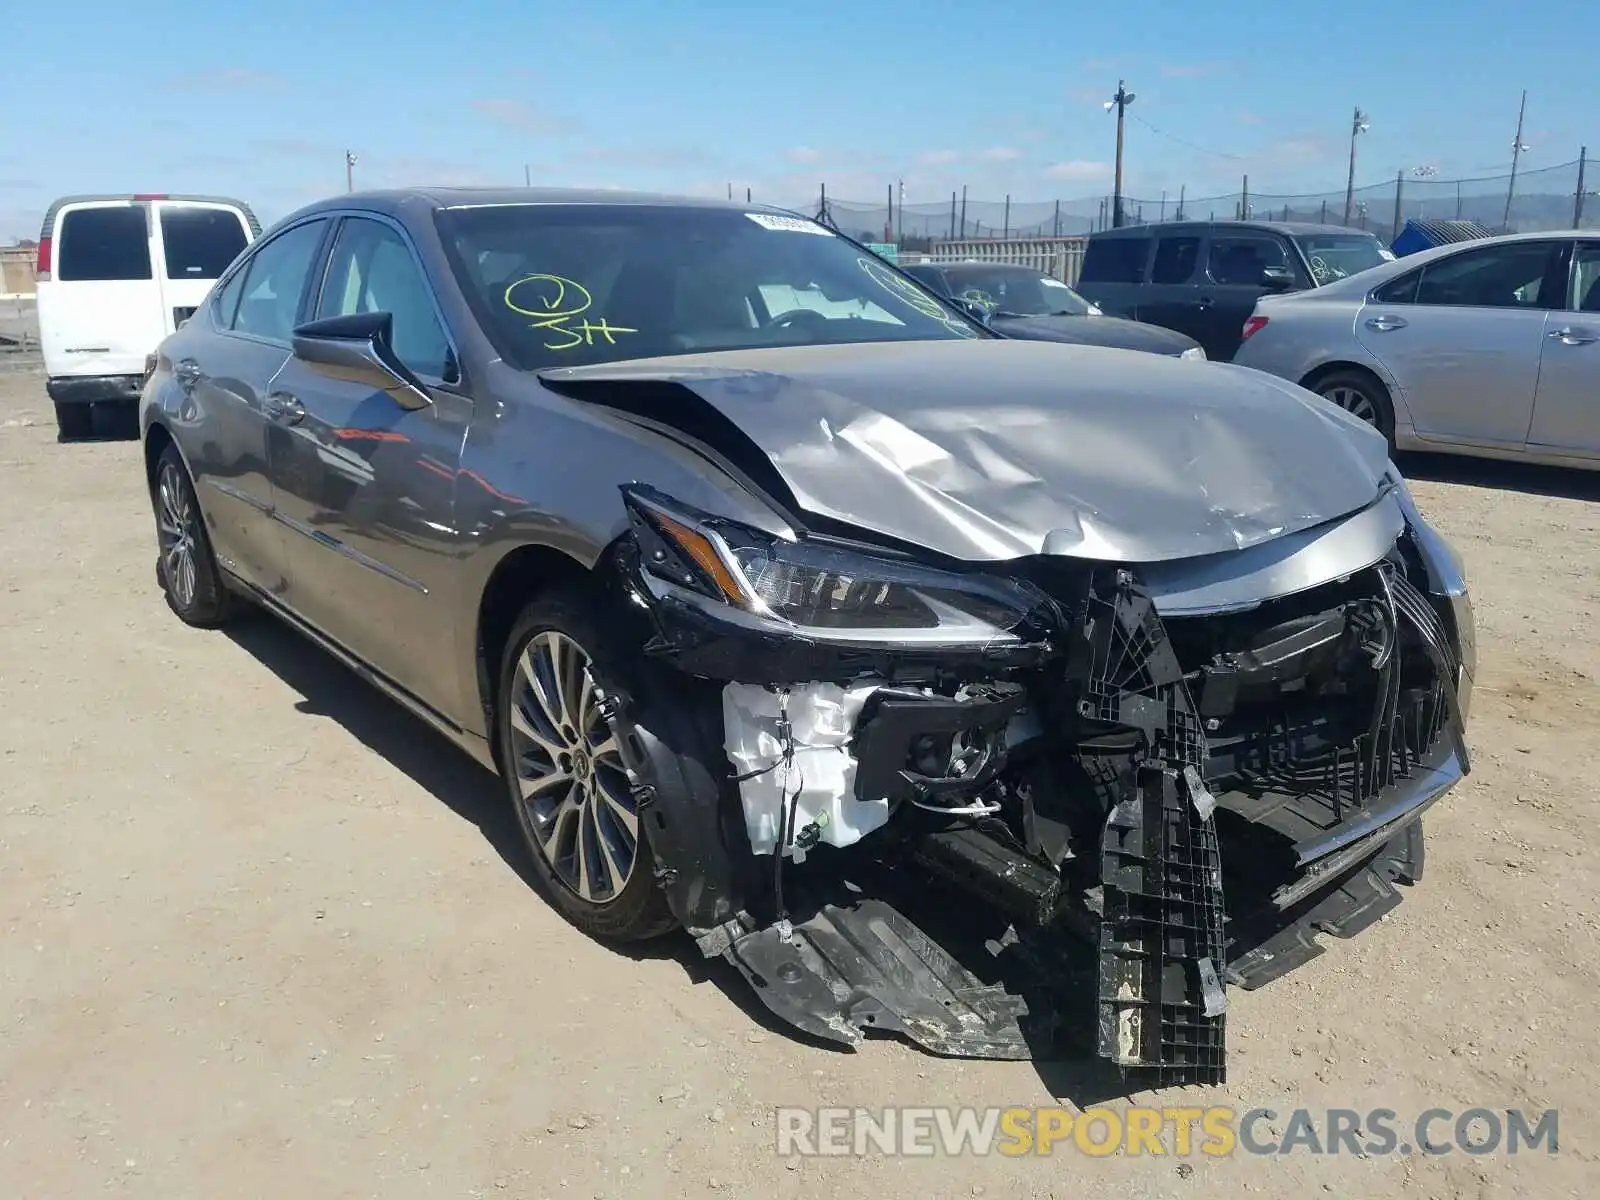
{"points": [[789, 224], [1388, 255], [1055, 283]]}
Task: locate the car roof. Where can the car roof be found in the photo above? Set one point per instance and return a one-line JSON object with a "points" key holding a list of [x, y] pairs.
{"points": [[392, 200], [61, 202], [1292, 228]]}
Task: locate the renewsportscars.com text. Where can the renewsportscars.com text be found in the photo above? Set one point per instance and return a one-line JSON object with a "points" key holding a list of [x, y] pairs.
{"points": [[1181, 1132]]}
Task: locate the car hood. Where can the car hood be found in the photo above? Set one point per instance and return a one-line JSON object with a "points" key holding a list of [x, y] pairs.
{"points": [[994, 449], [1095, 331]]}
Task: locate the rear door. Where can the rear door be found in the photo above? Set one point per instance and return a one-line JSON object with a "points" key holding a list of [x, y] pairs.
{"points": [[1235, 260], [1172, 297], [1462, 336], [195, 243], [225, 362], [1566, 407], [100, 312]]}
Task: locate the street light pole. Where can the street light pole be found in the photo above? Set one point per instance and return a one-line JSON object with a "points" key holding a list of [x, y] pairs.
{"points": [[1120, 102], [1358, 125], [349, 171]]}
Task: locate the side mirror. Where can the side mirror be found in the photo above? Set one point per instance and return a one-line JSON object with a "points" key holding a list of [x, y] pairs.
{"points": [[1277, 279], [357, 348]]}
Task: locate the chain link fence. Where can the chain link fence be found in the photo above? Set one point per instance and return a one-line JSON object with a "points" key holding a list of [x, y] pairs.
{"points": [[1559, 197]]}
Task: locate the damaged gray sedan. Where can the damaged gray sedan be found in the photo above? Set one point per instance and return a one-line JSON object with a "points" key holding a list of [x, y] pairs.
{"points": [[1005, 695]]}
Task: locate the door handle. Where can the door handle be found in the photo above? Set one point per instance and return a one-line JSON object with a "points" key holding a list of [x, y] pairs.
{"points": [[1572, 337], [281, 406], [186, 371], [1205, 303], [1385, 324]]}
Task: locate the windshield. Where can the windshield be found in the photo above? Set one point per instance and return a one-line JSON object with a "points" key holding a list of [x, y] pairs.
{"points": [[1018, 293], [1339, 255], [560, 285]]}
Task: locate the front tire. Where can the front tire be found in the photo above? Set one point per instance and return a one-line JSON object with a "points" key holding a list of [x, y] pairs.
{"points": [[561, 757], [186, 567]]}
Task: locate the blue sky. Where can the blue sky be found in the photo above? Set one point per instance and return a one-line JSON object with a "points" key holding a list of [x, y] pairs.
{"points": [[261, 102]]}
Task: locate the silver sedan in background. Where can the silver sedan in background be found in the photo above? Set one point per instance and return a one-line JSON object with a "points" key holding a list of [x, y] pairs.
{"points": [[1488, 348]]}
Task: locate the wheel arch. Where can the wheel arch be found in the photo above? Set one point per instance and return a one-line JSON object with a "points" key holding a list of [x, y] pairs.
{"points": [[157, 437], [1317, 374], [522, 573]]}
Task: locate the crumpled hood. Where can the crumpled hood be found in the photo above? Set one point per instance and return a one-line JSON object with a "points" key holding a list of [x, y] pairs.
{"points": [[1096, 331], [994, 449]]}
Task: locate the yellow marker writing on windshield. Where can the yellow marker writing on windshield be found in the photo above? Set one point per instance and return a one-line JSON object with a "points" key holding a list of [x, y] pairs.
{"points": [[551, 302]]}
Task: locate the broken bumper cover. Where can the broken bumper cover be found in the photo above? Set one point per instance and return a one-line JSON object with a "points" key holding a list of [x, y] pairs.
{"points": [[853, 962]]}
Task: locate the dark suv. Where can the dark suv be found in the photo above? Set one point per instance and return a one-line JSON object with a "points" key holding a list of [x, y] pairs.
{"points": [[1203, 278]]}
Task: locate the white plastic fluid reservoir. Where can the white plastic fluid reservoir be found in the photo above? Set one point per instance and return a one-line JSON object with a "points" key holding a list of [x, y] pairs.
{"points": [[822, 716]]}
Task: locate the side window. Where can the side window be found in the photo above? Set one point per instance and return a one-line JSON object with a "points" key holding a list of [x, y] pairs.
{"points": [[1239, 259], [1175, 260], [372, 270], [274, 281], [1399, 291], [1586, 278], [227, 301], [111, 241], [1510, 275], [1114, 260]]}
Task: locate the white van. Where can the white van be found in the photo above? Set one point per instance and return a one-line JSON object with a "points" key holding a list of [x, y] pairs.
{"points": [[116, 275]]}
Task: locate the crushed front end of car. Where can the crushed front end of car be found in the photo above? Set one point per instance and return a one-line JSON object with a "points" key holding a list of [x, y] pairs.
{"points": [[1124, 788]]}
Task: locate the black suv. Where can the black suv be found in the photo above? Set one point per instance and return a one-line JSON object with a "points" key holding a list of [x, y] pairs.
{"points": [[1203, 278]]}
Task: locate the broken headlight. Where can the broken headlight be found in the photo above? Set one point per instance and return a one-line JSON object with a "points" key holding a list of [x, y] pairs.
{"points": [[827, 592]]}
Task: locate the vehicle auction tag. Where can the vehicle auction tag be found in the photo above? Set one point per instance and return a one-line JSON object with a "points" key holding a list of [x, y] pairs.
{"points": [[788, 224]]}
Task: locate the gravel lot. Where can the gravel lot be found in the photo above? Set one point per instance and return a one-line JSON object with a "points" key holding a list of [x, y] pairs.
{"points": [[264, 934]]}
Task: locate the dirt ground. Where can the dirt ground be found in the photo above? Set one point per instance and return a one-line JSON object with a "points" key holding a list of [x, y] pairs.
{"points": [[262, 933]]}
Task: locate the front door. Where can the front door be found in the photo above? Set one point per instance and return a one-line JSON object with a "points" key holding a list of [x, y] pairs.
{"points": [[366, 487], [1566, 408], [1462, 338], [1235, 263]]}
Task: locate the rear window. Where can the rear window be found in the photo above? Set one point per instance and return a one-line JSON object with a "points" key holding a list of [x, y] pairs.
{"points": [[200, 242], [97, 244], [1114, 260]]}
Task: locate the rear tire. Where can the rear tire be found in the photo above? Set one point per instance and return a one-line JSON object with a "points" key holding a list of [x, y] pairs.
{"points": [[186, 567], [1362, 396], [74, 422], [565, 770]]}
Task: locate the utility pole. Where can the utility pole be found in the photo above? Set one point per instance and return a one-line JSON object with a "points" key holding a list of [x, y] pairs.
{"points": [[349, 171], [527, 175], [1577, 201], [1516, 152], [1358, 125], [1120, 102]]}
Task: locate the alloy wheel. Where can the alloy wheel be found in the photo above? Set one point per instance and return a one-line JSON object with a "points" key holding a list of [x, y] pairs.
{"points": [[570, 779], [1355, 402], [176, 524]]}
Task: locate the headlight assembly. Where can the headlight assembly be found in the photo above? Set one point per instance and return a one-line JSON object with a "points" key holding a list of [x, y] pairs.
{"points": [[1194, 352], [815, 590]]}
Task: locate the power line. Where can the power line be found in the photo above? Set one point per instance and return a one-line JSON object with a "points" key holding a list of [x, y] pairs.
{"points": [[1175, 138]]}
